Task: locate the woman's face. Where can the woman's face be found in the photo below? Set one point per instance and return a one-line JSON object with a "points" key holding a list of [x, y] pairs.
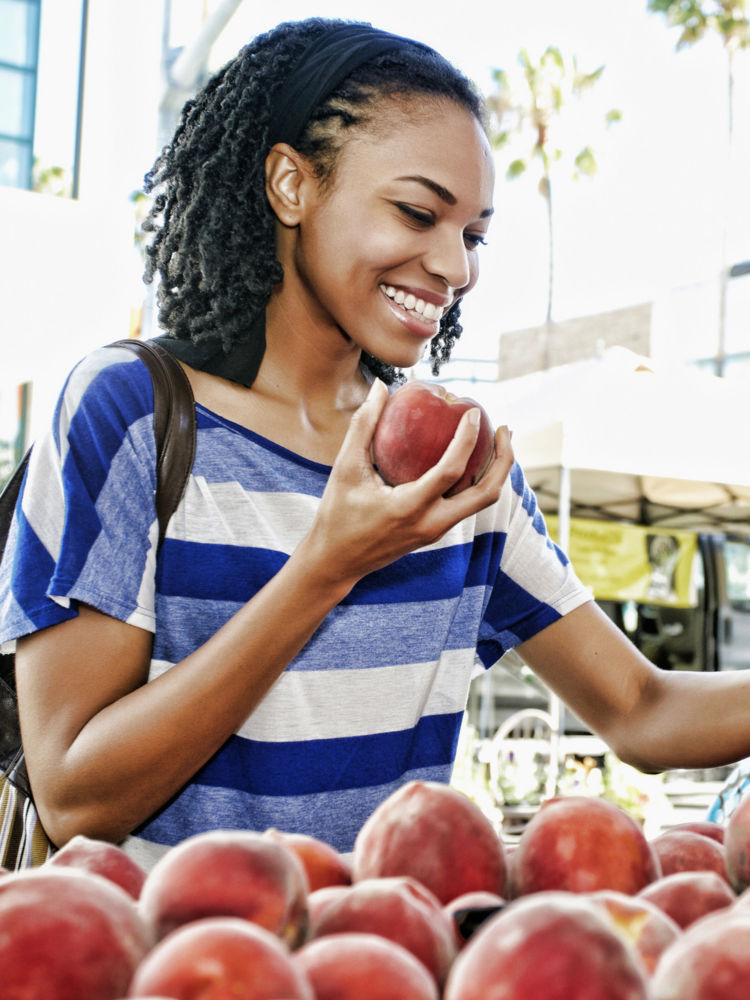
{"points": [[383, 252]]}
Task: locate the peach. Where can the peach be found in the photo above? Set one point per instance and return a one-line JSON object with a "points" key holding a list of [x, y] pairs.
{"points": [[469, 911], [737, 845], [582, 844], [67, 934], [221, 958], [365, 966], [323, 864], [228, 873], [417, 424], [687, 896], [435, 834], [320, 898], [555, 945], [642, 924], [102, 858], [705, 826], [708, 961], [399, 909], [687, 851]]}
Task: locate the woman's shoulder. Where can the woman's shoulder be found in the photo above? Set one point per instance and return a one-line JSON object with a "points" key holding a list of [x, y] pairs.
{"points": [[106, 380]]}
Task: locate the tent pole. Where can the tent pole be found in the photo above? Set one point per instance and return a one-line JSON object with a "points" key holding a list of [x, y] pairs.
{"points": [[555, 704]]}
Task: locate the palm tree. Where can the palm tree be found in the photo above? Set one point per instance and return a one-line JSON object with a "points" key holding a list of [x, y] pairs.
{"points": [[527, 112], [729, 19]]}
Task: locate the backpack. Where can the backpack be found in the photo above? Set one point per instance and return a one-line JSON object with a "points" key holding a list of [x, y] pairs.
{"points": [[23, 842]]}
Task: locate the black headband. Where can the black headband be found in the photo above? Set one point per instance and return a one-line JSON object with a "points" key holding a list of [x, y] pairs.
{"points": [[321, 67]]}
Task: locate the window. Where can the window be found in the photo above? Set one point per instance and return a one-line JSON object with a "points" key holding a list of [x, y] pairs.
{"points": [[41, 59], [19, 53]]}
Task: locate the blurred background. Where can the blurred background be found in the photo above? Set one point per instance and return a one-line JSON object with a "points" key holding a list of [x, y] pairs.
{"points": [[610, 327]]}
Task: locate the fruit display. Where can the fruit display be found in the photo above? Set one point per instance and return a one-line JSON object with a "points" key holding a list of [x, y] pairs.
{"points": [[417, 424], [432, 905]]}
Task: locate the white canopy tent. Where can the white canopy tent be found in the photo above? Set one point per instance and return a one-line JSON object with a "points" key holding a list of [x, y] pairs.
{"points": [[615, 437]]}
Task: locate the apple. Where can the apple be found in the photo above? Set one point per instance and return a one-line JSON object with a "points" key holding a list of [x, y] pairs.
{"points": [[399, 909], [737, 845], [687, 896], [365, 966], [687, 851], [323, 864], [221, 958], [225, 873], [552, 945], [415, 427], [582, 844], [67, 935], [435, 834], [642, 924], [102, 858], [709, 961]]}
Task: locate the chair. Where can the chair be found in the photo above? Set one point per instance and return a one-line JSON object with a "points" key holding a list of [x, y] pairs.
{"points": [[521, 771]]}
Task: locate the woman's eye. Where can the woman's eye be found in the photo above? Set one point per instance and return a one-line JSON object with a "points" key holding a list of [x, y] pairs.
{"points": [[422, 218], [474, 240]]}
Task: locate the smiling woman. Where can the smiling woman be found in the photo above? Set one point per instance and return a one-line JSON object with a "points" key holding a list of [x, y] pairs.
{"points": [[302, 642]]}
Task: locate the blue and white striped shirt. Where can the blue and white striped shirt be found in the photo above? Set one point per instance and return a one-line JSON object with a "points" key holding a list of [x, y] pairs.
{"points": [[375, 698]]}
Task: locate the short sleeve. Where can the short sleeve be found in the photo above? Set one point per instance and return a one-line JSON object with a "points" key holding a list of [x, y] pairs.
{"points": [[535, 584], [84, 530]]}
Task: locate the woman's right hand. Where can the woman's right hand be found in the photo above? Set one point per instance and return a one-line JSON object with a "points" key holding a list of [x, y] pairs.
{"points": [[363, 523]]}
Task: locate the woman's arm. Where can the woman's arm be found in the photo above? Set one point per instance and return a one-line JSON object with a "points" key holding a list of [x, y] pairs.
{"points": [[105, 749], [653, 719]]}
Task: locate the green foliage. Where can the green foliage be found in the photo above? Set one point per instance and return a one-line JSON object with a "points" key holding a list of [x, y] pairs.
{"points": [[53, 180], [695, 18], [528, 110]]}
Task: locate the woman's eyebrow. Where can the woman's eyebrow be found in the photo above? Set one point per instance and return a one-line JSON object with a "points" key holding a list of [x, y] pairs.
{"points": [[443, 193]]}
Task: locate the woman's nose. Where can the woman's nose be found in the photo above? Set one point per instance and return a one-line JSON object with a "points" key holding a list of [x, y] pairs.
{"points": [[449, 258]]}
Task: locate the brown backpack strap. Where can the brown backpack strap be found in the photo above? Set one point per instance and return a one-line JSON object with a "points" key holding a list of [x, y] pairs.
{"points": [[174, 425]]}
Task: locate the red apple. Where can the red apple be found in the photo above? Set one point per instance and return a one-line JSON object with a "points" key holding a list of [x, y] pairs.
{"points": [[435, 834], [640, 923], [365, 967], [552, 945], [102, 858], [67, 935], [323, 864], [399, 909], [220, 958], [737, 845], [582, 844], [687, 896], [228, 873], [687, 851], [417, 424], [708, 961]]}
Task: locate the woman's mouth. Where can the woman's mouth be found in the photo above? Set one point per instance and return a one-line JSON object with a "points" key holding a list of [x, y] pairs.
{"points": [[427, 312]]}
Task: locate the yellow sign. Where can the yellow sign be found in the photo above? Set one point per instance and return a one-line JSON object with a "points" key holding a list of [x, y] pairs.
{"points": [[628, 562]]}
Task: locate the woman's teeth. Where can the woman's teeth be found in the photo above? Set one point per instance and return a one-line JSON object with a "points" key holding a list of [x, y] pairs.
{"points": [[417, 307]]}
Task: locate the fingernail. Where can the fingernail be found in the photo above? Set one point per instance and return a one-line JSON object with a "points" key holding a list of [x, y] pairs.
{"points": [[474, 417]]}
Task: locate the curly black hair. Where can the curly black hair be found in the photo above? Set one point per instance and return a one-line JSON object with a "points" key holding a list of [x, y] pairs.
{"points": [[213, 232]]}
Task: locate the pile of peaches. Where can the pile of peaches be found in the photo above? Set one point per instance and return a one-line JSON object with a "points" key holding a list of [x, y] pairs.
{"points": [[431, 904]]}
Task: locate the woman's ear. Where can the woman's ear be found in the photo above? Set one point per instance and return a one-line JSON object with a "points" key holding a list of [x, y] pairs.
{"points": [[287, 173]]}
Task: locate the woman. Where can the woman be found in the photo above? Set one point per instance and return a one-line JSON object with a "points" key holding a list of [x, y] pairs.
{"points": [[304, 642]]}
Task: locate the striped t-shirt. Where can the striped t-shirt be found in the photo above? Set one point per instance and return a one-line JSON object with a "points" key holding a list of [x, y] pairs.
{"points": [[375, 698]]}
